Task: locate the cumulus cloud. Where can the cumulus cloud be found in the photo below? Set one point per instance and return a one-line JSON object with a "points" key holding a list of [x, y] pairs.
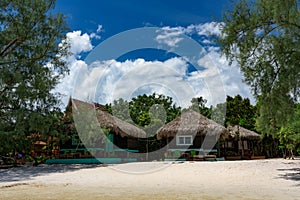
{"points": [[231, 76], [79, 43], [110, 80], [170, 35], [214, 63], [206, 29], [107, 80]]}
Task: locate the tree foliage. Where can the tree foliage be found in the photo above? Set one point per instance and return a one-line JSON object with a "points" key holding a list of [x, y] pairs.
{"points": [[264, 37], [31, 65], [240, 112], [289, 135], [160, 105], [198, 105], [147, 111]]}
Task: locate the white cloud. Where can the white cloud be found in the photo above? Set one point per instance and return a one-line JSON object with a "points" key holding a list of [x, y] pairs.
{"points": [[99, 29], [215, 64], [230, 75], [79, 43], [66, 86], [206, 29], [170, 35], [107, 80], [113, 80], [205, 41], [96, 35]]}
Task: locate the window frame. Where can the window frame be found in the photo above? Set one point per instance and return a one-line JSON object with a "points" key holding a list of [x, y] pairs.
{"points": [[184, 140]]}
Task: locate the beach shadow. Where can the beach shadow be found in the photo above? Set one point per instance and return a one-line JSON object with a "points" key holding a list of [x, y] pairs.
{"points": [[24, 173], [290, 174]]}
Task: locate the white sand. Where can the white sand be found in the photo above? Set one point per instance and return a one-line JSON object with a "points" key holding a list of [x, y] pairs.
{"points": [[256, 179]]}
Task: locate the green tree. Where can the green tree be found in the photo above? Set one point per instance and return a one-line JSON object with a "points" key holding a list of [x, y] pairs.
{"points": [[236, 111], [120, 109], [289, 135], [240, 112], [198, 105], [147, 111], [219, 113], [263, 37], [150, 112], [140, 106], [31, 64]]}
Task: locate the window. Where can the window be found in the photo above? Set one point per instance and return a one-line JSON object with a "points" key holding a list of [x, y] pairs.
{"points": [[229, 144], [184, 140], [245, 145]]}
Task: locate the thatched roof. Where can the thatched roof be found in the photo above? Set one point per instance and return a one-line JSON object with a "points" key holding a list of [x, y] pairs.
{"points": [[243, 133], [191, 123], [118, 126], [110, 122]]}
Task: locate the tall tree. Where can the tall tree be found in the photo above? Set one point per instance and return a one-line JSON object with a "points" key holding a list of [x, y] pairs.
{"points": [[289, 135], [147, 111], [236, 111], [120, 109], [198, 105], [150, 112], [158, 104], [31, 64], [240, 112], [264, 37]]}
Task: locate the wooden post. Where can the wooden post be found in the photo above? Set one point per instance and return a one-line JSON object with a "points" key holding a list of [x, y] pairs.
{"points": [[147, 150], [167, 143], [242, 142], [219, 153]]}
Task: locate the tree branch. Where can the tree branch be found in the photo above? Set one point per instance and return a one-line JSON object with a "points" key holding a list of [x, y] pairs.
{"points": [[4, 51]]}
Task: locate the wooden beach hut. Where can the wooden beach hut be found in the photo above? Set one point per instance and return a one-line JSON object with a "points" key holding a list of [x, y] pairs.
{"points": [[120, 133], [241, 144], [125, 135], [99, 133], [192, 135]]}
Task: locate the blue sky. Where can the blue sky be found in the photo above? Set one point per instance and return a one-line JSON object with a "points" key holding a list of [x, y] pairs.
{"points": [[94, 23], [120, 15]]}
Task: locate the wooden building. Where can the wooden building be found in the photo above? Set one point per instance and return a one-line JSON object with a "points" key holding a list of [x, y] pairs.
{"points": [[192, 135], [241, 144], [98, 133]]}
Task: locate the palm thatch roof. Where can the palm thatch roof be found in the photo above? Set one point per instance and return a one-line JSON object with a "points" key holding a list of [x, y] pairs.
{"points": [[110, 122], [191, 123], [118, 126], [238, 131]]}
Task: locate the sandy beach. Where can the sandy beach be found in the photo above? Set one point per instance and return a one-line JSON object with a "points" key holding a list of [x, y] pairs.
{"points": [[255, 179]]}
